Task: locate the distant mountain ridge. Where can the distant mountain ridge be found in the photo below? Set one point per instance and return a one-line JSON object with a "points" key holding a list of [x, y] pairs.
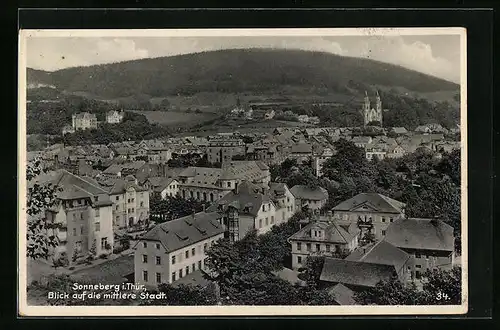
{"points": [[238, 71]]}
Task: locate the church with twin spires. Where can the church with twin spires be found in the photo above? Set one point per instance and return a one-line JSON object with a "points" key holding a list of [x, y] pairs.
{"points": [[372, 114]]}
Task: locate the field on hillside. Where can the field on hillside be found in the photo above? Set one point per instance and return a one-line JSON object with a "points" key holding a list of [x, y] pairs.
{"points": [[176, 118]]}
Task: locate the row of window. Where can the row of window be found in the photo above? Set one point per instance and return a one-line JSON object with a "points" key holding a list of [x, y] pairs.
{"points": [[181, 272], [117, 198], [188, 253], [266, 221], [318, 247]]}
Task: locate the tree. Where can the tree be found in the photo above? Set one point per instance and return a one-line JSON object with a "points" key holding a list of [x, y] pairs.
{"points": [[392, 292], [311, 272], [40, 234], [184, 295], [367, 238], [443, 287]]}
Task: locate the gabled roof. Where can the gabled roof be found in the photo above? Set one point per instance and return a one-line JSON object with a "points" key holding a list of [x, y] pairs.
{"points": [[247, 199], [304, 192], [355, 273], [426, 234], [185, 231], [302, 148], [371, 201], [381, 252], [342, 294], [334, 233]]}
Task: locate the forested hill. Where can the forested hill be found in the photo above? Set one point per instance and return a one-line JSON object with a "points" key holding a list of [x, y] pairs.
{"points": [[236, 71]]}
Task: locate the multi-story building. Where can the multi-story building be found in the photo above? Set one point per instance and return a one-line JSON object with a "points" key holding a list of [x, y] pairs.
{"points": [[210, 184], [320, 158], [372, 212], [82, 215], [222, 148], [174, 249], [430, 243], [246, 208], [114, 117], [283, 200], [152, 150], [84, 120], [130, 202], [312, 198], [322, 236]]}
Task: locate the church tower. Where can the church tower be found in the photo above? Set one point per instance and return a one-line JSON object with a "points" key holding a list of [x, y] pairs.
{"points": [[379, 109], [366, 110]]}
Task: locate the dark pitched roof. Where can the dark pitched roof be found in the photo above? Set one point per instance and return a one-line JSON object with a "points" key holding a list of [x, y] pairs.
{"points": [[428, 234], [185, 231], [355, 273], [373, 201], [334, 233], [302, 148], [304, 192], [246, 199], [382, 252], [342, 294]]}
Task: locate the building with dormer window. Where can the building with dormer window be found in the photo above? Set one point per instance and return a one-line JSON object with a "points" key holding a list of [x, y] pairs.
{"points": [[322, 236]]}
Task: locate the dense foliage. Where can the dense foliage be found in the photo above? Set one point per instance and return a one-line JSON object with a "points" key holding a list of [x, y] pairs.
{"points": [[233, 71], [439, 287], [40, 238], [170, 208]]}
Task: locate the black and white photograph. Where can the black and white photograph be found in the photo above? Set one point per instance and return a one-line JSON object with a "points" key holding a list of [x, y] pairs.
{"points": [[242, 172]]}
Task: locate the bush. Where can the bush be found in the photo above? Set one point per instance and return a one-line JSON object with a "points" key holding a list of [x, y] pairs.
{"points": [[71, 268], [103, 256]]}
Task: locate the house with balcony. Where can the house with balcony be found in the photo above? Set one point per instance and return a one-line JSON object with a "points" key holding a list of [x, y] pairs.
{"points": [[81, 215], [322, 236], [372, 212]]}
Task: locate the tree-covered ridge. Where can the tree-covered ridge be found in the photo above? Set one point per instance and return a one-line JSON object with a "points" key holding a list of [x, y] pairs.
{"points": [[238, 70]]}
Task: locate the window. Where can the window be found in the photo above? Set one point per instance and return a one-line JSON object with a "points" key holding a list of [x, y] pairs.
{"points": [[288, 199], [229, 184], [417, 255], [205, 247], [144, 244], [383, 219], [74, 216], [199, 264], [328, 248], [417, 274], [142, 204], [318, 247], [173, 276], [81, 216], [272, 219], [97, 226], [193, 252], [267, 221], [144, 258], [187, 254], [187, 270], [157, 246], [97, 213], [180, 273], [158, 277], [117, 207], [299, 259], [74, 231], [96, 198], [299, 246], [158, 260], [173, 260], [193, 266], [308, 246], [383, 232], [117, 198], [391, 220], [260, 223], [264, 208], [145, 275], [81, 230], [104, 242], [418, 266]]}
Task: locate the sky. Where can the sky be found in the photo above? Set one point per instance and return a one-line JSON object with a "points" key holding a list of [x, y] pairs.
{"points": [[437, 55]]}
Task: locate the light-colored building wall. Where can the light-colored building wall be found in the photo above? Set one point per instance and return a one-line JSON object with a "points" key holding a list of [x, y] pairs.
{"points": [[129, 207], [173, 265], [380, 221]]}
